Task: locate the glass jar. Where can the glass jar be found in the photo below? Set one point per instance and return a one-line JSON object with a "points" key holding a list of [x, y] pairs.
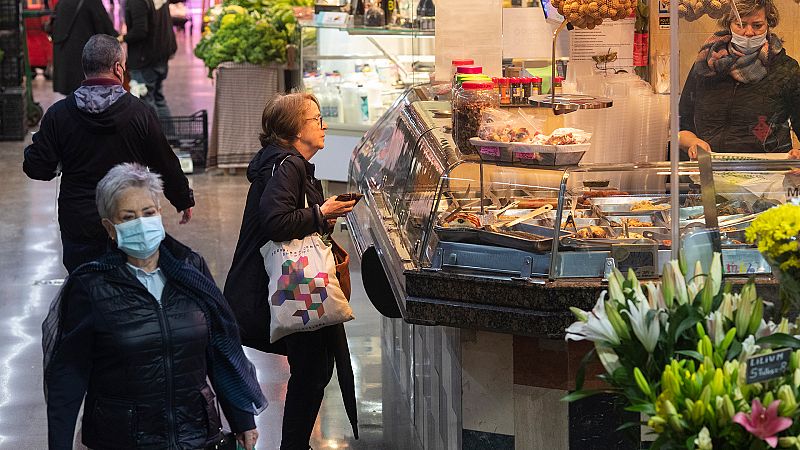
{"points": [[456, 63], [504, 88], [536, 86], [468, 105], [527, 88], [558, 83]]}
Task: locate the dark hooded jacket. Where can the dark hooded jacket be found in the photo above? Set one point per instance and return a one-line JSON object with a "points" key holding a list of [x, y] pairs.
{"points": [[734, 117], [150, 37], [142, 365], [84, 146], [276, 211], [72, 29]]}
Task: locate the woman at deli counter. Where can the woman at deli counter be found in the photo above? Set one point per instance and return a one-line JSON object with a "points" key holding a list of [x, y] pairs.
{"points": [[743, 90]]}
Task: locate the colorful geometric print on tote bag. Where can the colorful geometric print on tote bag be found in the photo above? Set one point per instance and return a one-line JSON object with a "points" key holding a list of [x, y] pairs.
{"points": [[304, 292]]}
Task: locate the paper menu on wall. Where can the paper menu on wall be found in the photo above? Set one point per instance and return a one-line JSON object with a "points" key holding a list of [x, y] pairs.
{"points": [[614, 36]]}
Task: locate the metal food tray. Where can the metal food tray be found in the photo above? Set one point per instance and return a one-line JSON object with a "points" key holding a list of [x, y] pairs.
{"points": [[600, 244], [499, 239], [621, 205]]}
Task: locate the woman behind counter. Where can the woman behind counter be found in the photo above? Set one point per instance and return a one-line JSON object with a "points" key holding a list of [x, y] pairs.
{"points": [[138, 331], [744, 89], [285, 202]]}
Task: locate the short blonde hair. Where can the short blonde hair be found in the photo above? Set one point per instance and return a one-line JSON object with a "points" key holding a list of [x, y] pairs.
{"points": [[748, 7], [283, 119]]}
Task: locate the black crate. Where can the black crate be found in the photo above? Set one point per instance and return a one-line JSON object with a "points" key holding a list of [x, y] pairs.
{"points": [[10, 14], [11, 65], [12, 114], [189, 133]]}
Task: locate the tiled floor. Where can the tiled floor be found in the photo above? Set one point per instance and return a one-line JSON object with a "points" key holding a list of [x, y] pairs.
{"points": [[30, 260]]}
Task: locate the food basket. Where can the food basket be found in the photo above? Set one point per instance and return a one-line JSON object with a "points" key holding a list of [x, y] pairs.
{"points": [[530, 154]]}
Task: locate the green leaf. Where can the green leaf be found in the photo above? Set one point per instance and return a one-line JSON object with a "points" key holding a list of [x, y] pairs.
{"points": [[779, 340], [578, 395], [692, 317], [628, 425], [647, 408], [734, 350], [581, 375], [690, 354]]}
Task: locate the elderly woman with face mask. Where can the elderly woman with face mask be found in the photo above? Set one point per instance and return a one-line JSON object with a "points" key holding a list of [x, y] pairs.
{"points": [[135, 334], [744, 90]]}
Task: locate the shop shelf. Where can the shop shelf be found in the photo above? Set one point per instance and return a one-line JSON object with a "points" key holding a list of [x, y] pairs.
{"points": [[12, 114], [372, 31], [11, 62], [190, 134], [10, 14]]}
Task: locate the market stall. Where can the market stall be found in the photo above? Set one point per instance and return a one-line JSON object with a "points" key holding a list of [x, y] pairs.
{"points": [[486, 219]]}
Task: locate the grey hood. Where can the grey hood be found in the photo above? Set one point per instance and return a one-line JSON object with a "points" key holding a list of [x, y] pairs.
{"points": [[96, 99]]}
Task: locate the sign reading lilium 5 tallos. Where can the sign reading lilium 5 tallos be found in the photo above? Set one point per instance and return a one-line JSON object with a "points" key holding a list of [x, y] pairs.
{"points": [[767, 367]]}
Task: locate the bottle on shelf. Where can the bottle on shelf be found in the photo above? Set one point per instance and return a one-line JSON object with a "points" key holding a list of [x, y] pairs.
{"points": [[357, 9]]}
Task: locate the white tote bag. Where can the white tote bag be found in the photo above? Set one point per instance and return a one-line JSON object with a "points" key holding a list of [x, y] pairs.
{"points": [[304, 292]]}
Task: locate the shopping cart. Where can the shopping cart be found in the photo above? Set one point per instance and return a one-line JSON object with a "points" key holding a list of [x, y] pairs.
{"points": [[188, 134]]}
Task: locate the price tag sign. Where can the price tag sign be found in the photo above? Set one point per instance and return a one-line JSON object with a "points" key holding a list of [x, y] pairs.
{"points": [[642, 258], [769, 366], [491, 151]]}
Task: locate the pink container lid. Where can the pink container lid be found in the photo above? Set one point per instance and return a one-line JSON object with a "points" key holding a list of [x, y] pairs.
{"points": [[476, 85], [469, 69], [462, 62]]}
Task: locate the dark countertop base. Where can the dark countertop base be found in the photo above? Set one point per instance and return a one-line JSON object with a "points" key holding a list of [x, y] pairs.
{"points": [[519, 307]]}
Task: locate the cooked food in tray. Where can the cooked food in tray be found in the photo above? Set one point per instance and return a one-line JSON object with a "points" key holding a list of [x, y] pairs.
{"points": [[592, 232], [636, 223], [648, 205], [463, 220]]}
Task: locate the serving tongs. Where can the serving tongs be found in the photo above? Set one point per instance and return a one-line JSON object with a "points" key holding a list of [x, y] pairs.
{"points": [[528, 216]]}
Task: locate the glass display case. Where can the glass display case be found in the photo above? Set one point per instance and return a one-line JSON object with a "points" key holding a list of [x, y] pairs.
{"points": [[447, 211]]}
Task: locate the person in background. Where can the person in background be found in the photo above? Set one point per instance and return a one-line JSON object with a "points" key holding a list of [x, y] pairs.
{"points": [[84, 135], [151, 43], [137, 332], [743, 92], [285, 202], [74, 23]]}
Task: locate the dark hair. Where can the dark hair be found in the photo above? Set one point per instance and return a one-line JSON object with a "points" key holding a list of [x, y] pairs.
{"points": [[100, 54], [283, 118], [748, 7]]}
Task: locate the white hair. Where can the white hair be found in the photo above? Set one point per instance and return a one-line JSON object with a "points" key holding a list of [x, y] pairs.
{"points": [[121, 178]]}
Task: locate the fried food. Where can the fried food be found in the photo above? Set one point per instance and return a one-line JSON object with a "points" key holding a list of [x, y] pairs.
{"points": [[647, 205], [636, 223], [591, 232], [463, 220]]}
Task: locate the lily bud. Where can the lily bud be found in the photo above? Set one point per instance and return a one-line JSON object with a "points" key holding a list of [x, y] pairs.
{"points": [[788, 404], [682, 265], [783, 326], [728, 340], [768, 398], [796, 378], [794, 358], [727, 407], [616, 321], [718, 385], [743, 314], [579, 314], [680, 284], [715, 273], [668, 285], [642, 382], [707, 296], [657, 423], [755, 318], [615, 289], [787, 442]]}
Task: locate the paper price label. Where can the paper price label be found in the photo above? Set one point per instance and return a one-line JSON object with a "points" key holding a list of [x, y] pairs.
{"points": [[491, 151], [527, 156]]}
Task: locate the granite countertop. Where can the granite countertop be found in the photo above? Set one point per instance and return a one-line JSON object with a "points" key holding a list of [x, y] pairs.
{"points": [[520, 307]]}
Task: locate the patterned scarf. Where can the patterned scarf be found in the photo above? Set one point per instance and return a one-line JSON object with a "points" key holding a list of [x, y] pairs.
{"points": [[232, 374], [718, 57]]}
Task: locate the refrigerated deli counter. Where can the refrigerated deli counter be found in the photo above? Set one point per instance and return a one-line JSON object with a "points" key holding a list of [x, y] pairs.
{"points": [[474, 263]]}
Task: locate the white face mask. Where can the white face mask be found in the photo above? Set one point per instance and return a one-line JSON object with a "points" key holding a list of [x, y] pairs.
{"points": [[748, 44]]}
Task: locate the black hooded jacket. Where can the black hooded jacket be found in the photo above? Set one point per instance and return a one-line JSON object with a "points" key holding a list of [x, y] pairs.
{"points": [[150, 37], [142, 365], [86, 146], [735, 117], [275, 211]]}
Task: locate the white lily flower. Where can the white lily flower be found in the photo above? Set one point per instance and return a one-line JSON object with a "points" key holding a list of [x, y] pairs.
{"points": [[715, 272], [597, 327], [137, 89], [608, 358], [647, 333], [767, 328], [714, 325], [749, 348], [703, 440]]}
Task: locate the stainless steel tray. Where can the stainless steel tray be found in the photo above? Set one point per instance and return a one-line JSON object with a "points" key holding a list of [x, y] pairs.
{"points": [[485, 237]]}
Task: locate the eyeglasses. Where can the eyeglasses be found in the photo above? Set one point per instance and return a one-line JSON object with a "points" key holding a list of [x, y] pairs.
{"points": [[317, 118]]}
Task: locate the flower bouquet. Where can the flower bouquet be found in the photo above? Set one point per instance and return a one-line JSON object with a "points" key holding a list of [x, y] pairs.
{"points": [[777, 231], [678, 353]]}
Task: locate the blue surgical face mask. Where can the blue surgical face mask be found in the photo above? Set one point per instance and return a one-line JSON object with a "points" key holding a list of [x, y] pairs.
{"points": [[140, 237], [748, 44]]}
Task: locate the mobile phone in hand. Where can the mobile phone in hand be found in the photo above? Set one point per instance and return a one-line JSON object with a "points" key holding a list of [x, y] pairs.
{"points": [[350, 196]]}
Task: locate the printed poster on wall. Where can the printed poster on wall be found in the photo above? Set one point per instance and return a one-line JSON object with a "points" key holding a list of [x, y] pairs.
{"points": [[663, 14], [611, 36]]}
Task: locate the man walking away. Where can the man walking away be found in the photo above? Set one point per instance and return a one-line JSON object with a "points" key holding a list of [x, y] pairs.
{"points": [[84, 135], [151, 43]]}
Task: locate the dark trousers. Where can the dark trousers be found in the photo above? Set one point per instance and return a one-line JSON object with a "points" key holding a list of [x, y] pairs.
{"points": [[153, 78], [79, 252], [311, 362]]}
